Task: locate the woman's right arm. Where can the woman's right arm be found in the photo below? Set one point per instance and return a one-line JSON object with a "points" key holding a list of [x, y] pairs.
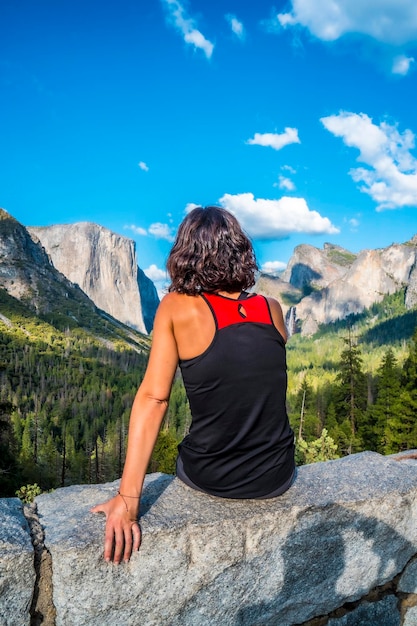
{"points": [[122, 534], [277, 316]]}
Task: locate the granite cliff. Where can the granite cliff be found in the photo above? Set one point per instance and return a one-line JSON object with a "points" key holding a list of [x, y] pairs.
{"points": [[322, 286], [104, 265], [27, 273], [28, 278]]}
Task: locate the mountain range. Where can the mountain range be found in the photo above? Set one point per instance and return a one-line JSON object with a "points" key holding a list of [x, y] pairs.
{"points": [[89, 263], [320, 286]]}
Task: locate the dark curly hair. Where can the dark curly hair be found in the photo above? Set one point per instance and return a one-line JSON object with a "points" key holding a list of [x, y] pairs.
{"points": [[211, 253]]}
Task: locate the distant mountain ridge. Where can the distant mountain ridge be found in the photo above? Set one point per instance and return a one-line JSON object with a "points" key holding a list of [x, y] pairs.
{"points": [[319, 286], [322, 286]]}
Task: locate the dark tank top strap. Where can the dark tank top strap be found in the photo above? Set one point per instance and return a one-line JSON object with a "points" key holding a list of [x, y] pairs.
{"points": [[211, 307]]}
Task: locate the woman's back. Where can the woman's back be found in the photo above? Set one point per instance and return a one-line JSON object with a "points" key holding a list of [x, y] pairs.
{"points": [[193, 323], [232, 359]]}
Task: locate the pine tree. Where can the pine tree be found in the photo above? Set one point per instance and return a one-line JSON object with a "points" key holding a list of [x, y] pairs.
{"points": [[165, 453], [9, 470], [385, 415], [321, 449], [350, 395], [404, 436], [49, 462], [306, 423]]}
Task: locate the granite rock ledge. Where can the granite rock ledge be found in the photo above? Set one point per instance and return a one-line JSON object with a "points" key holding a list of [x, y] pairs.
{"points": [[339, 548]]}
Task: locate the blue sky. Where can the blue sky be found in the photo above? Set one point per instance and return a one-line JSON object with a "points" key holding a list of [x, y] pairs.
{"points": [[299, 117]]}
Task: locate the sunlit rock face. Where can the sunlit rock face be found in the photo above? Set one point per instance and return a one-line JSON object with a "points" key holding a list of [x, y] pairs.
{"points": [[26, 271], [311, 267], [17, 571], [411, 292], [322, 286], [105, 267]]}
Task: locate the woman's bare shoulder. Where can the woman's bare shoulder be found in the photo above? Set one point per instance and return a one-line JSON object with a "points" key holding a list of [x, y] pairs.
{"points": [[174, 299], [273, 303], [191, 322], [277, 316], [178, 304]]}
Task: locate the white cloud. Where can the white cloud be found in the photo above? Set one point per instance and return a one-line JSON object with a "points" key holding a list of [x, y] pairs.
{"points": [[353, 224], [274, 140], [391, 179], [285, 183], [276, 219], [137, 230], [186, 25], [159, 278], [391, 21], [143, 166], [287, 19], [161, 231], [190, 206], [272, 267], [402, 64], [236, 26], [156, 274], [157, 230], [289, 169]]}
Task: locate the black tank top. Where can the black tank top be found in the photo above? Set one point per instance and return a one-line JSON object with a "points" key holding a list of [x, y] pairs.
{"points": [[240, 443]]}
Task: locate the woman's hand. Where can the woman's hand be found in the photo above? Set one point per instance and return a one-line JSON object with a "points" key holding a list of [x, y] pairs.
{"points": [[122, 535]]}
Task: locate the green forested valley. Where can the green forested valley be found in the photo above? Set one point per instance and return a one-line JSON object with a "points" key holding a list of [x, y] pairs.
{"points": [[65, 398], [66, 393]]}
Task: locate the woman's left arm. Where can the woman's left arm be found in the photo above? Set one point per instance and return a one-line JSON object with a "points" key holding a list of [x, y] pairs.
{"points": [[122, 535]]}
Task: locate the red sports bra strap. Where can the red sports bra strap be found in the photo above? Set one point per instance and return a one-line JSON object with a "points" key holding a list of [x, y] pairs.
{"points": [[227, 311]]}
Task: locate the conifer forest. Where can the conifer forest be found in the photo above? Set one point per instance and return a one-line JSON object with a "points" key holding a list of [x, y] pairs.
{"points": [[66, 394]]}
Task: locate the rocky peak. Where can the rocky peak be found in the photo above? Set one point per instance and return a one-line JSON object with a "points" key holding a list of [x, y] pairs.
{"points": [[26, 271], [311, 268], [104, 265], [333, 283], [374, 274], [15, 242]]}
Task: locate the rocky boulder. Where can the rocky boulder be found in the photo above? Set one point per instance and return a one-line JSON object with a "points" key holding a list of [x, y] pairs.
{"points": [[17, 572], [339, 548], [345, 529]]}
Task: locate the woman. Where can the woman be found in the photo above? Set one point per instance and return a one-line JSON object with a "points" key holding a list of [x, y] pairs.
{"points": [[230, 346]]}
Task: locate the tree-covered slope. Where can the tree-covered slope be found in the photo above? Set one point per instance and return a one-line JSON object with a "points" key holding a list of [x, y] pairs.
{"points": [[67, 383], [338, 380], [64, 388]]}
